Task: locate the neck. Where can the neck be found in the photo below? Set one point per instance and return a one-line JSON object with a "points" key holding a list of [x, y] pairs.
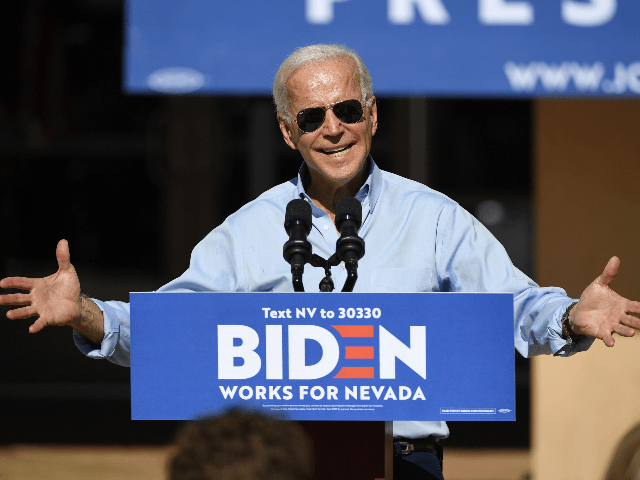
{"points": [[326, 194]]}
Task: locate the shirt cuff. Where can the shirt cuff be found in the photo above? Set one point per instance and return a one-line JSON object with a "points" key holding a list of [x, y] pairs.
{"points": [[571, 347], [111, 334]]}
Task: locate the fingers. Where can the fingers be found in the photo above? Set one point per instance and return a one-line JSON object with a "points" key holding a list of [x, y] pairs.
{"points": [[37, 325], [626, 328], [15, 299], [623, 330], [631, 321], [633, 307], [62, 255], [610, 271], [608, 340], [21, 283], [20, 313]]}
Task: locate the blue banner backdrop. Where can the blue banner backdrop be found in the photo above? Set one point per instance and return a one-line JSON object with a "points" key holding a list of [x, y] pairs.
{"points": [[425, 47], [314, 356]]}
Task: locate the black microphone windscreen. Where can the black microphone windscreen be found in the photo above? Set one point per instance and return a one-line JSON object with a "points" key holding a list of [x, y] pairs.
{"points": [[297, 210], [349, 206]]}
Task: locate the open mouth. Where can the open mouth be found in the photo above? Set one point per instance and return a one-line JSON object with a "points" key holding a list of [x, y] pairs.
{"points": [[338, 152]]}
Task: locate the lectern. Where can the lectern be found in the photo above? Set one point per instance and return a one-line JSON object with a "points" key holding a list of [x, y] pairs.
{"points": [[345, 365]]}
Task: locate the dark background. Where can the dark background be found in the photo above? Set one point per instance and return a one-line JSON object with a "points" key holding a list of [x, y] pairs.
{"points": [[134, 182]]}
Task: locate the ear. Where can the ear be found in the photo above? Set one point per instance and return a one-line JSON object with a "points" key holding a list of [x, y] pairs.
{"points": [[288, 133], [373, 115]]}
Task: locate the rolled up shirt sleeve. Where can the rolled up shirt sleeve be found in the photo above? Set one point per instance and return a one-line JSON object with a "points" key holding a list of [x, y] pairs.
{"points": [[116, 342], [212, 269], [469, 258]]}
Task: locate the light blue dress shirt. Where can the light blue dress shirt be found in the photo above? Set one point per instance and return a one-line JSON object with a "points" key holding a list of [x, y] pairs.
{"points": [[417, 240]]}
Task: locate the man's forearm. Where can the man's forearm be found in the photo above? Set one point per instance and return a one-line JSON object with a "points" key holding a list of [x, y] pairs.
{"points": [[90, 321]]}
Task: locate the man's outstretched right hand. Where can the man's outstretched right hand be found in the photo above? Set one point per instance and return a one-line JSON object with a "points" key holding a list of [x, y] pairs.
{"points": [[55, 299]]}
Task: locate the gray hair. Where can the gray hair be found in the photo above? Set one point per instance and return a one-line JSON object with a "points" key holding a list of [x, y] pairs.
{"points": [[314, 53]]}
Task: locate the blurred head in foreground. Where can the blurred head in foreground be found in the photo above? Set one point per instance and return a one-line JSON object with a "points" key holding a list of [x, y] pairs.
{"points": [[241, 445]]}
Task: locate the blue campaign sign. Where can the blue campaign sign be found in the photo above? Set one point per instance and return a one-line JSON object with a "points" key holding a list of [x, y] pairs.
{"points": [[425, 47], [315, 356]]}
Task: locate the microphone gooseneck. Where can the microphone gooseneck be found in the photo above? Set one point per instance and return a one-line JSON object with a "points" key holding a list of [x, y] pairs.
{"points": [[297, 250], [349, 247]]}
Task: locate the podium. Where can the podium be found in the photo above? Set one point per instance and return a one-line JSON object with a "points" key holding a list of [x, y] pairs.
{"points": [[345, 365], [350, 450]]}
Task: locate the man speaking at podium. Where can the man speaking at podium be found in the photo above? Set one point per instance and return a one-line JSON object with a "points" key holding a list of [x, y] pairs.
{"points": [[417, 240]]}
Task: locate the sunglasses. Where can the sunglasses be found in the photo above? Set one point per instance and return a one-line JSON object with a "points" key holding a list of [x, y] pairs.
{"points": [[347, 111]]}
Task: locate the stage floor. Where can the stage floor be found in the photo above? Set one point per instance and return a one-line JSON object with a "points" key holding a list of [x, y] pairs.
{"points": [[22, 462]]}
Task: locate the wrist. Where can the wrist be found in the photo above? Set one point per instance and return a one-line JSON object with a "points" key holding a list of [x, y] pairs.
{"points": [[568, 321], [81, 317], [90, 321]]}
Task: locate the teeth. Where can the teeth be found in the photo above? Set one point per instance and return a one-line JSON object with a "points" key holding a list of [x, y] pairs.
{"points": [[337, 151]]}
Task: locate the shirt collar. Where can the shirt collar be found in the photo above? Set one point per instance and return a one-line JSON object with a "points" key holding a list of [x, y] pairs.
{"points": [[370, 189]]}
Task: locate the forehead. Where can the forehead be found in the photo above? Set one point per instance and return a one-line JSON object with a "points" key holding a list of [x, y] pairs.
{"points": [[323, 82]]}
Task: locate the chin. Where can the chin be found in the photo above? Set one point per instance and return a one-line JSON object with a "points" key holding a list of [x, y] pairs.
{"points": [[345, 171], [342, 177]]}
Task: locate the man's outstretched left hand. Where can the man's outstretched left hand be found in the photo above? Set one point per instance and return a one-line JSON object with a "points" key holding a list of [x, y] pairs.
{"points": [[601, 312]]}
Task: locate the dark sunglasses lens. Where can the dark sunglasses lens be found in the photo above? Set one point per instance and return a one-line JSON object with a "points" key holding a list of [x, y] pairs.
{"points": [[310, 119], [349, 111]]}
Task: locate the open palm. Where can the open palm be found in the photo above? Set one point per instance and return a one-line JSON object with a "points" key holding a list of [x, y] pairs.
{"points": [[53, 299], [601, 312]]}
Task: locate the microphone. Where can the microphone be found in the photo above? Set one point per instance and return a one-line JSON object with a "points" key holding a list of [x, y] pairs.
{"points": [[349, 247], [297, 250]]}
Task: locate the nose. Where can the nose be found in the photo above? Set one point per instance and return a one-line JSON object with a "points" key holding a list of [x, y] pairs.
{"points": [[331, 125]]}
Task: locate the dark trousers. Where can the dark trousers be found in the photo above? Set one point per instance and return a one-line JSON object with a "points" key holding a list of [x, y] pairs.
{"points": [[417, 466]]}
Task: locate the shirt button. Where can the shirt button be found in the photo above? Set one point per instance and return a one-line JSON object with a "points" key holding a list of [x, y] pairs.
{"points": [[326, 227]]}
